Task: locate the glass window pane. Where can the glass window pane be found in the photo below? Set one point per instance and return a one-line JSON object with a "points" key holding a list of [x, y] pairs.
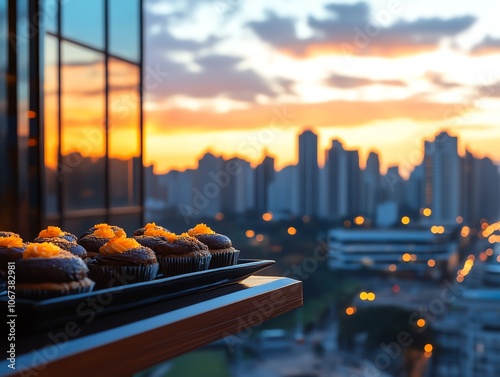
{"points": [[124, 28], [79, 225], [83, 21], [83, 140], [50, 15], [124, 133], [51, 139], [3, 111], [129, 222]]}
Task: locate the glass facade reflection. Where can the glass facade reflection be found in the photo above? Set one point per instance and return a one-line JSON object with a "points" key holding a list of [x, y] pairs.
{"points": [[99, 116], [70, 113], [83, 21], [3, 107]]}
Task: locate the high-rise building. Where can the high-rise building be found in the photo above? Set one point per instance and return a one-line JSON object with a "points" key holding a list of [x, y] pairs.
{"points": [[238, 196], [354, 184], [371, 185], [394, 188], [308, 173], [414, 195], [489, 189], [264, 175], [283, 192], [337, 180], [178, 187], [71, 135], [442, 165], [207, 186]]}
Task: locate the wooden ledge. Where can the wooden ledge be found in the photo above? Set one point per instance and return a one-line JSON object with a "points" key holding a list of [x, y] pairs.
{"points": [[126, 343]]}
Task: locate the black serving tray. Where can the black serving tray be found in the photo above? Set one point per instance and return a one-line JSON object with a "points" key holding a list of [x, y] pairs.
{"points": [[43, 314]]}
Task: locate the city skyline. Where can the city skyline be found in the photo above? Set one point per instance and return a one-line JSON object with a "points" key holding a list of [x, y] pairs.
{"points": [[449, 185], [410, 160]]}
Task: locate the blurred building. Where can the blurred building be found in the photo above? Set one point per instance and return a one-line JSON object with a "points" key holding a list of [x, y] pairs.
{"points": [[442, 176], [308, 173], [468, 336], [371, 185], [70, 114], [208, 183], [238, 196], [344, 180], [283, 193], [337, 180], [264, 176], [390, 250]]}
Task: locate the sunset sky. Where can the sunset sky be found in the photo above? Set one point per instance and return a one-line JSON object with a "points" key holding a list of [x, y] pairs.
{"points": [[238, 77]]}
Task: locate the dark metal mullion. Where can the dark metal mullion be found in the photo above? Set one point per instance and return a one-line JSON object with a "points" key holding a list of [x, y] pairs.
{"points": [[12, 118], [60, 182], [35, 150], [107, 180], [142, 184]]}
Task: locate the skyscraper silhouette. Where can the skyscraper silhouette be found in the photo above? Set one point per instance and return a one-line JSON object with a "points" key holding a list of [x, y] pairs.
{"points": [[206, 189], [442, 165], [308, 173], [337, 180], [264, 175], [371, 185]]}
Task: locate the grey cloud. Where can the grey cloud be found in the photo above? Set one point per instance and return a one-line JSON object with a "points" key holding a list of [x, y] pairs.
{"points": [[343, 25], [349, 82], [488, 45]]}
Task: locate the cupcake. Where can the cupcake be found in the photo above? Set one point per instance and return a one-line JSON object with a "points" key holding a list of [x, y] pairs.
{"points": [[152, 236], [220, 246], [123, 261], [98, 236], [55, 232], [64, 244], [48, 271], [116, 229], [182, 254], [150, 226], [11, 250], [4, 233]]}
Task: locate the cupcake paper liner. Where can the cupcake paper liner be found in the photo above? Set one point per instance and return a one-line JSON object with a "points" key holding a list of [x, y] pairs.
{"points": [[114, 276], [38, 294], [172, 266], [223, 259]]}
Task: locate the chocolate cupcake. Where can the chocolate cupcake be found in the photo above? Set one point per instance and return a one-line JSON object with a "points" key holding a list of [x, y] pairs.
{"points": [[11, 250], [64, 244], [119, 232], [99, 236], [4, 233], [182, 254], [55, 232], [123, 261], [48, 271], [152, 236], [219, 245], [150, 226]]}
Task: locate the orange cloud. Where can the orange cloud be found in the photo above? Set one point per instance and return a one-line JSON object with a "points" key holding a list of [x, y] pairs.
{"points": [[325, 114]]}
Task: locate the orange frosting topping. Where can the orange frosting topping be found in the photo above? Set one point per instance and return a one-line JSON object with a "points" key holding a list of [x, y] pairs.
{"points": [[50, 232], [152, 232], [104, 233], [101, 225], [11, 241], [119, 245], [200, 229], [120, 233], [45, 250], [150, 225]]}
